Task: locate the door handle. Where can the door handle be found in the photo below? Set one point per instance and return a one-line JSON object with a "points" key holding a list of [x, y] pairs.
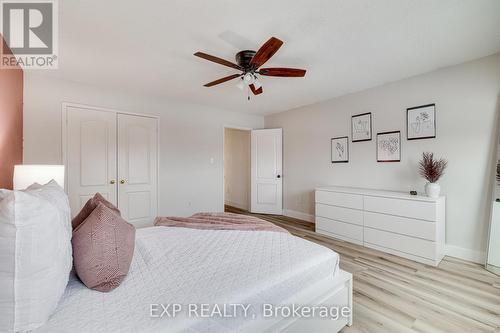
{"points": [[278, 176], [112, 181], [122, 181]]}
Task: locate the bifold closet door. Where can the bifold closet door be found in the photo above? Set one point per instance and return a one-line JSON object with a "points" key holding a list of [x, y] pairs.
{"points": [[90, 155], [137, 168]]}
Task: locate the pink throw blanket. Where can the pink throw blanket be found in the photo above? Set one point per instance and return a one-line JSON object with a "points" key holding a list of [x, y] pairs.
{"points": [[219, 221]]}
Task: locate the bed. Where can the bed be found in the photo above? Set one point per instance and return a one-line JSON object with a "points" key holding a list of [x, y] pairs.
{"points": [[180, 266]]}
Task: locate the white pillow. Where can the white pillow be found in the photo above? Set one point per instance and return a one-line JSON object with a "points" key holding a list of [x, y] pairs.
{"points": [[35, 255]]}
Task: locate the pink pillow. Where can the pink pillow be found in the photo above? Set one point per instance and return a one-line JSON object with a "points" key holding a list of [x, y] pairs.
{"points": [[89, 208], [103, 246]]}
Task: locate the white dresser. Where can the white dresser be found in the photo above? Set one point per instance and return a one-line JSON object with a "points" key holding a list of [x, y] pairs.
{"points": [[409, 226]]}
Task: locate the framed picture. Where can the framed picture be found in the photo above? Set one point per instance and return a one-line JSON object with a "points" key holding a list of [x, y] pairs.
{"points": [[361, 127], [340, 149], [389, 146], [421, 122]]}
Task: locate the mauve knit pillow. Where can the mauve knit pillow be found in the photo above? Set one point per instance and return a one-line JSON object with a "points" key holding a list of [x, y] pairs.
{"points": [[103, 246], [89, 208]]}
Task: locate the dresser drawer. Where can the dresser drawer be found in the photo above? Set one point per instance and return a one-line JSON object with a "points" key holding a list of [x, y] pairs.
{"points": [[414, 246], [342, 229], [401, 225], [340, 199], [342, 214], [408, 208]]}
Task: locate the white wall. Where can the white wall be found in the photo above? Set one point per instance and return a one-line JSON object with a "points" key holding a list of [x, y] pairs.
{"points": [[237, 168], [466, 98], [190, 135]]}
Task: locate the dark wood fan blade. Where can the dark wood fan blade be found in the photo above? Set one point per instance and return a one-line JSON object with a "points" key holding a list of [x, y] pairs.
{"points": [[266, 52], [256, 91], [283, 72], [224, 79], [217, 60]]}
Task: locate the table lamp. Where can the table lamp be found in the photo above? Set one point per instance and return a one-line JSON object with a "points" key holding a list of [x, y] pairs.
{"points": [[26, 174]]}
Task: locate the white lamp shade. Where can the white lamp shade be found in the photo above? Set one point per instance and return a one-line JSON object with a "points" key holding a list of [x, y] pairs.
{"points": [[249, 78], [241, 84], [26, 175], [257, 84]]}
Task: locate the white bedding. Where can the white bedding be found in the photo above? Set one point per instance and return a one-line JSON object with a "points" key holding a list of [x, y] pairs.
{"points": [[180, 265]]}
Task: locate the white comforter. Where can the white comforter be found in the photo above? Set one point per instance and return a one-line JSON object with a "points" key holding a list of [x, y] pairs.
{"points": [[179, 265]]}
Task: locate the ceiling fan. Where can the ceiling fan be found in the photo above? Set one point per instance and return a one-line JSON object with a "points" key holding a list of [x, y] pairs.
{"points": [[249, 63]]}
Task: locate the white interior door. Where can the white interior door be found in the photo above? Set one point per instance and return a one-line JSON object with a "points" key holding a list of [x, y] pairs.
{"points": [[266, 171], [494, 244], [137, 168], [90, 155]]}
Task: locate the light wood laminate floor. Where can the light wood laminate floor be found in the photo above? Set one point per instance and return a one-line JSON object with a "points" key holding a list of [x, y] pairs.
{"points": [[393, 294]]}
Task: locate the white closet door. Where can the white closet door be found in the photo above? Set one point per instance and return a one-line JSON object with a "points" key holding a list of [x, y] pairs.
{"points": [[266, 178], [137, 168], [91, 155]]}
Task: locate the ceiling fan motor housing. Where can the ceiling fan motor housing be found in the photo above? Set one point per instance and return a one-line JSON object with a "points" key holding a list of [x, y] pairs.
{"points": [[243, 59]]}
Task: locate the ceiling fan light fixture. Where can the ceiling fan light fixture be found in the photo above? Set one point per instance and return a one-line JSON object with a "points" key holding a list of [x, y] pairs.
{"points": [[257, 84], [241, 84], [249, 78]]}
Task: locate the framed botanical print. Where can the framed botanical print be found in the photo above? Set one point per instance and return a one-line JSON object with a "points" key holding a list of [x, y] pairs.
{"points": [[361, 127], [340, 149], [421, 122], [389, 146]]}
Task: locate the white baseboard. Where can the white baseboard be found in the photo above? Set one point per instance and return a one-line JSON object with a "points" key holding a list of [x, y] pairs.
{"points": [[465, 254], [298, 215]]}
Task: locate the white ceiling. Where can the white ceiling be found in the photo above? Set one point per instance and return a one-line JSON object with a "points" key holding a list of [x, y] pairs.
{"points": [[346, 46]]}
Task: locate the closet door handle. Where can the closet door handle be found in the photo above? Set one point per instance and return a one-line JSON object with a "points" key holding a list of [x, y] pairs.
{"points": [[112, 181], [122, 181]]}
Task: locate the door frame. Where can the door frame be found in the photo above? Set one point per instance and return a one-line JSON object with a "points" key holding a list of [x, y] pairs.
{"points": [[248, 129], [64, 137]]}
